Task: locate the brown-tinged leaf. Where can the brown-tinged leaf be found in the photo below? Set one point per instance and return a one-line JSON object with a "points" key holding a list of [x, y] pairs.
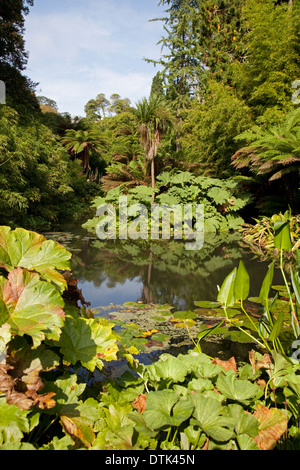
{"points": [[76, 427], [19, 399], [205, 447], [272, 424], [7, 383], [30, 306], [153, 342], [140, 403], [34, 385], [230, 364], [263, 363]]}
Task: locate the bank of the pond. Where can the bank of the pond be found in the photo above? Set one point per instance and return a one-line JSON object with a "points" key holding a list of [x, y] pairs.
{"points": [[132, 283], [162, 272]]}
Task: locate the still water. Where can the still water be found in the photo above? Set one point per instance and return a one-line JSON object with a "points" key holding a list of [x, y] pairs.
{"points": [[162, 272]]}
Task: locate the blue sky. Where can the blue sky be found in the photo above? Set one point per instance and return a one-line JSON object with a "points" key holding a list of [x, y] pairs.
{"points": [[79, 48]]}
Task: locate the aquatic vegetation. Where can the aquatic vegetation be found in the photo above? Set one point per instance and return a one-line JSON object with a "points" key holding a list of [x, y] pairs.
{"points": [[259, 237], [51, 348]]}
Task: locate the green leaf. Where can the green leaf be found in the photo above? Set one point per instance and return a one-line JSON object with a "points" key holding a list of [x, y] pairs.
{"points": [[277, 327], [235, 389], [165, 409], [226, 293], [209, 330], [234, 222], [208, 414], [67, 393], [88, 341], [246, 423], [282, 236], [266, 285], [31, 306], [169, 367], [296, 285], [22, 248], [219, 196], [13, 423], [186, 315], [242, 283]]}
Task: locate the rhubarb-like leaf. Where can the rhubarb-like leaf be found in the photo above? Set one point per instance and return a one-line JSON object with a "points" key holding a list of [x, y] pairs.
{"points": [[30, 306], [22, 248]]}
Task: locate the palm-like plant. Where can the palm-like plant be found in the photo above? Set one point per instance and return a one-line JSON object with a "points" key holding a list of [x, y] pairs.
{"points": [[80, 143], [274, 152], [154, 119]]}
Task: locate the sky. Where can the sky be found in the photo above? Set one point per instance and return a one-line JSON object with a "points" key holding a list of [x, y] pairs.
{"points": [[80, 48]]}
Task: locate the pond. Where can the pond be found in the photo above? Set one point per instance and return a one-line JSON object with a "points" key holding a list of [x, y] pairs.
{"points": [[161, 273], [164, 272]]}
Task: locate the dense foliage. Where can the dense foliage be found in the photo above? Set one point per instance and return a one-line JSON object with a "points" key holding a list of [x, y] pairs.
{"points": [[51, 344], [220, 129]]}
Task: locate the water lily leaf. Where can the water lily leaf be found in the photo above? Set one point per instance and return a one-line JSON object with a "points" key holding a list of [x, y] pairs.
{"points": [[87, 341], [235, 389], [207, 304], [186, 315], [31, 306], [272, 424]]}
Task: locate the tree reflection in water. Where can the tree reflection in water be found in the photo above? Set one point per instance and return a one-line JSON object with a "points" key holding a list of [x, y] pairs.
{"points": [[161, 272]]}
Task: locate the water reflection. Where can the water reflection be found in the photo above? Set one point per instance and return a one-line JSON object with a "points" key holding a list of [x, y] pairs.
{"points": [[160, 272]]}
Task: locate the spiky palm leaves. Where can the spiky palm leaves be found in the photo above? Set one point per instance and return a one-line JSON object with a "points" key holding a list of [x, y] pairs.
{"points": [[80, 143], [275, 153], [154, 120]]}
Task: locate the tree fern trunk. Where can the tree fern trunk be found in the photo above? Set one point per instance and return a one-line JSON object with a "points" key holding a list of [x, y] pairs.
{"points": [[153, 179]]}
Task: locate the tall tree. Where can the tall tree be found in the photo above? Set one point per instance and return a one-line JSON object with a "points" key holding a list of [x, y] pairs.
{"points": [[271, 49], [154, 120], [80, 143], [12, 44], [201, 41], [118, 105]]}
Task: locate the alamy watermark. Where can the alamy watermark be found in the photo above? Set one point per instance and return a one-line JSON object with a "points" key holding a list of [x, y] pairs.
{"points": [[296, 86], [2, 92], [296, 350], [180, 221]]}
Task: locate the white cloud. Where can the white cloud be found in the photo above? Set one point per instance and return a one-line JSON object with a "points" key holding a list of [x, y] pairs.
{"points": [[80, 48], [71, 93]]}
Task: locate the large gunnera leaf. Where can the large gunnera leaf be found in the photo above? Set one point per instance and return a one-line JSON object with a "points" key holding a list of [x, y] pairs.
{"points": [[30, 306], [88, 341], [22, 248]]}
